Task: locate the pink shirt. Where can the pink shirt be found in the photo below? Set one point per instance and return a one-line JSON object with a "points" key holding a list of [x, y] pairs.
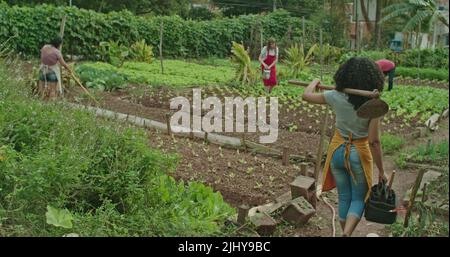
{"points": [[50, 55], [385, 65]]}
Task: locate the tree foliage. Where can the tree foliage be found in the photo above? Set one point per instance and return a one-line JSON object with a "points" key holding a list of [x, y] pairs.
{"points": [[416, 12], [296, 7], [160, 7]]}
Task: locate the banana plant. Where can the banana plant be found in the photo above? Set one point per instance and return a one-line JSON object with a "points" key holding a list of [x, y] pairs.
{"points": [[297, 60], [142, 52], [113, 53], [245, 74], [331, 54]]}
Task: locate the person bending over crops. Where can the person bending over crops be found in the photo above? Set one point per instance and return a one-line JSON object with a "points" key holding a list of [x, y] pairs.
{"points": [[356, 141], [388, 69], [49, 73], [268, 59]]}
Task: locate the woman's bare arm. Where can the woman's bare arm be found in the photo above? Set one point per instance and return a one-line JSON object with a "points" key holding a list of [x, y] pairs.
{"points": [[375, 147], [64, 64], [310, 96]]}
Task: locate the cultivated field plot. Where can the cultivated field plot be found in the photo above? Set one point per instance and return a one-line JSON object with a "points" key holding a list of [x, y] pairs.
{"points": [[242, 177]]}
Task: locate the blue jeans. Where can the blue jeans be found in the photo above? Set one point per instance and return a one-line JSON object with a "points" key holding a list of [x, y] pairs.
{"points": [[351, 192]]}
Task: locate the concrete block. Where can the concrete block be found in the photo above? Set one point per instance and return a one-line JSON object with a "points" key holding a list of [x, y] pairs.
{"points": [[298, 212], [265, 225], [300, 187]]}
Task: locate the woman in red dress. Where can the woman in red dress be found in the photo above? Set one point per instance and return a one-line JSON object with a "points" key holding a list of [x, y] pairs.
{"points": [[268, 59]]}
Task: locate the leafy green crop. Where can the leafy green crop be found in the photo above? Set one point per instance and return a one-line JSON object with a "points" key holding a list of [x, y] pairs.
{"points": [[176, 74], [102, 77], [423, 73], [410, 101]]}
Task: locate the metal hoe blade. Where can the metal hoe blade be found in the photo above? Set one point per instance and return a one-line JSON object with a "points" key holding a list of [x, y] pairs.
{"points": [[374, 108]]}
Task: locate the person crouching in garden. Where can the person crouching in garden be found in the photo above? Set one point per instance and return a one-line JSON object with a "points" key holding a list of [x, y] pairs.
{"points": [[388, 69], [268, 59], [49, 72], [356, 142]]}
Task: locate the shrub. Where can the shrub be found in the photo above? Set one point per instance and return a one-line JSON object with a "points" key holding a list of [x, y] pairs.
{"points": [[391, 143], [423, 73], [182, 38], [105, 176]]}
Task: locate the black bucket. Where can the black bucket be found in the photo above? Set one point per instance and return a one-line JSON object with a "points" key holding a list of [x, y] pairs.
{"points": [[380, 207]]}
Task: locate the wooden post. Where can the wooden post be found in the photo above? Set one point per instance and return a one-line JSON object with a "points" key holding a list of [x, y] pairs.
{"points": [[303, 169], [424, 189], [161, 45], [261, 34], [285, 159], [169, 128], [418, 62], [242, 213], [412, 197], [62, 28], [324, 123], [357, 26], [61, 34], [303, 31], [243, 141]]}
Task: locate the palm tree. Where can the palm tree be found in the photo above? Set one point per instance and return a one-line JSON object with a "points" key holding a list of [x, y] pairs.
{"points": [[419, 11]]}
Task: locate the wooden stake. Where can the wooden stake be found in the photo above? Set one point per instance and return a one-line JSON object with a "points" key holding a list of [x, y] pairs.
{"points": [[161, 45], [424, 189], [303, 169], [242, 213], [303, 31], [412, 197], [324, 123], [169, 128], [285, 156], [261, 34], [61, 34]]}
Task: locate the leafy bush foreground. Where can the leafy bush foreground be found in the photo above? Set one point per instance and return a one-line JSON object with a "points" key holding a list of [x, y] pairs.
{"points": [[61, 166]]}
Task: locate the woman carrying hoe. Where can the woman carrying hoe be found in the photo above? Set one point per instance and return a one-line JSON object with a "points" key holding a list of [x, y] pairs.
{"points": [[49, 72], [356, 142]]}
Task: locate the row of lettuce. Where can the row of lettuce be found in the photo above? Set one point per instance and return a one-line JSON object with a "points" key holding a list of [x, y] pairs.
{"points": [[103, 178], [178, 73]]}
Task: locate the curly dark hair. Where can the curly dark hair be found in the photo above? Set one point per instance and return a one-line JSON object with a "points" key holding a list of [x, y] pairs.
{"points": [[56, 41], [359, 73]]}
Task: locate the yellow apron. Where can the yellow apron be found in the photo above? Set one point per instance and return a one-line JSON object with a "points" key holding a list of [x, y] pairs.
{"points": [[363, 149]]}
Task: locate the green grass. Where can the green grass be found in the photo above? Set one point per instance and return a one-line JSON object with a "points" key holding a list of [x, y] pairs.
{"points": [[391, 143], [434, 154]]}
